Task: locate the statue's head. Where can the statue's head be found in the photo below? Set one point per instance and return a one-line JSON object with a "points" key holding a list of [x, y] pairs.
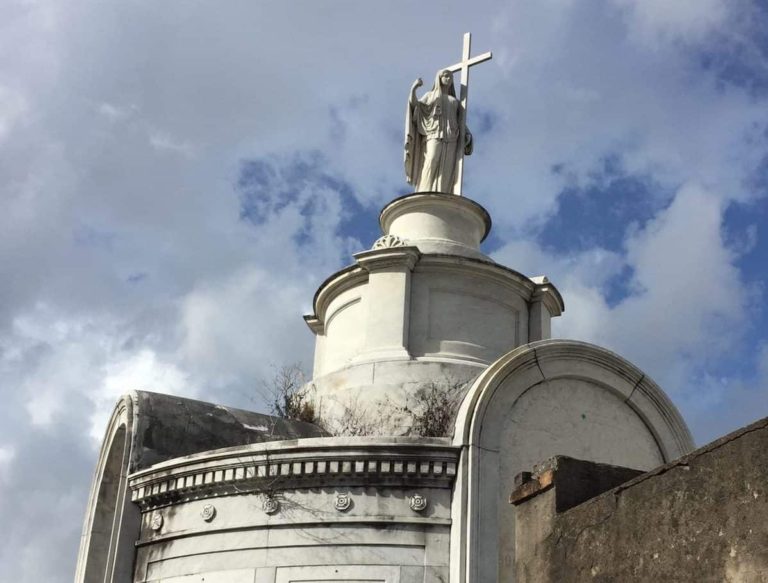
{"points": [[443, 85]]}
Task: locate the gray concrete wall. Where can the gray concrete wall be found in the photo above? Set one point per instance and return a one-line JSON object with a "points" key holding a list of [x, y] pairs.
{"points": [[701, 518]]}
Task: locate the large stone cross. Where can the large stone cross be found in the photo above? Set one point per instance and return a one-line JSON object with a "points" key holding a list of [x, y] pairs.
{"points": [[463, 66]]}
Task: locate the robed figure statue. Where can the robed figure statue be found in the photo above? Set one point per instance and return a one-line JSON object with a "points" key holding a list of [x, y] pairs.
{"points": [[432, 135]]}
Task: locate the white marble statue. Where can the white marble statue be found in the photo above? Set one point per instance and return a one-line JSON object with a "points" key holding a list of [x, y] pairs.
{"points": [[434, 140]]}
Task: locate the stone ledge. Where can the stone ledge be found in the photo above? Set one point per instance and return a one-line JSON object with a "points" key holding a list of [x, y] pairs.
{"points": [[237, 472], [398, 258], [432, 201]]}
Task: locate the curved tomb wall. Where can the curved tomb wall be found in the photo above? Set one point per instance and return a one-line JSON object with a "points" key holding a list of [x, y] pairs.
{"points": [[424, 293], [549, 398], [368, 396], [462, 314], [450, 307], [458, 314], [309, 510], [573, 417], [344, 336]]}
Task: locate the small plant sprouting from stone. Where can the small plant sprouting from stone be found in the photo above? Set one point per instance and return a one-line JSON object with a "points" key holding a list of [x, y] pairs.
{"points": [[432, 408], [288, 397]]}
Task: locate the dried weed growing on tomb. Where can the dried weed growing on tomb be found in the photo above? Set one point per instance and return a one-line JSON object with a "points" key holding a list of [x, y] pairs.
{"points": [[431, 409], [354, 421], [288, 397]]}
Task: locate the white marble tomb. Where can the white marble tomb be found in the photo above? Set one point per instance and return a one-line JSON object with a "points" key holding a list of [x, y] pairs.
{"points": [[187, 492]]}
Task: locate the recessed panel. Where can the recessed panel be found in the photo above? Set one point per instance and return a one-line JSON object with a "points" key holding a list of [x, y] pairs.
{"points": [[344, 334], [470, 323], [339, 574]]}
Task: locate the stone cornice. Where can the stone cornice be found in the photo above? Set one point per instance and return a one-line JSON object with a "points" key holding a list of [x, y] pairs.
{"points": [[275, 466], [549, 295], [337, 283], [354, 275], [315, 324], [386, 258], [523, 286], [531, 289]]}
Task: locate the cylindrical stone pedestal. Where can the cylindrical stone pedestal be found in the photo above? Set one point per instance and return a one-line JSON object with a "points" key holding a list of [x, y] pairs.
{"points": [[437, 223]]}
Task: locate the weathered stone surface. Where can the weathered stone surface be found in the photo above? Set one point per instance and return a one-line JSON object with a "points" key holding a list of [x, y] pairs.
{"points": [[556, 397], [439, 302], [169, 427], [146, 429], [575, 481], [700, 518], [309, 509]]}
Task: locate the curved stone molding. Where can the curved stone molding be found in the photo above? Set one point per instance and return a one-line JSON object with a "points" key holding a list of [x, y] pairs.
{"points": [[550, 398], [321, 462], [388, 241], [418, 503], [352, 276], [342, 502], [109, 504], [569, 358], [208, 513], [356, 276]]}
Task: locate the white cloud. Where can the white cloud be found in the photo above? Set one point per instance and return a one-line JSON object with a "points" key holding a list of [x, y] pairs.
{"points": [[142, 371], [240, 326], [653, 21], [114, 112], [7, 455], [13, 106], [687, 303], [162, 141], [723, 404]]}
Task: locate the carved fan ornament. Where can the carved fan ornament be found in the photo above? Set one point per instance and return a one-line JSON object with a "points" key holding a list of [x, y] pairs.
{"points": [[389, 241]]}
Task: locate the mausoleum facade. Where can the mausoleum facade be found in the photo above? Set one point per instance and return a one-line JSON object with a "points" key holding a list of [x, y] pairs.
{"points": [[188, 491]]}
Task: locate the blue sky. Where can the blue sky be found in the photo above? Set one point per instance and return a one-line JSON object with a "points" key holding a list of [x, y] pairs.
{"points": [[177, 178]]}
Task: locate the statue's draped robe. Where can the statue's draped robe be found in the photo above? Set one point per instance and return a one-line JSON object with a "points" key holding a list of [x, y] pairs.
{"points": [[432, 132]]}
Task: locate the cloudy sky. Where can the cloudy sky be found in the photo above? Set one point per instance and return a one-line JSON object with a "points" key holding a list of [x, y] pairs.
{"points": [[177, 178]]}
